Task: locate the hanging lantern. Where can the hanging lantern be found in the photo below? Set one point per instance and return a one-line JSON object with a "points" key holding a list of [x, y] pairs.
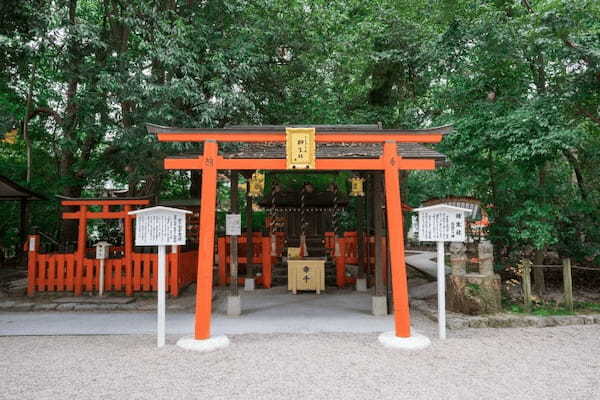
{"points": [[257, 184], [357, 186]]}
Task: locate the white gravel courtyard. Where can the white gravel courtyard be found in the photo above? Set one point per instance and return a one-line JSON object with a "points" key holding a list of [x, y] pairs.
{"points": [[548, 363], [289, 347]]}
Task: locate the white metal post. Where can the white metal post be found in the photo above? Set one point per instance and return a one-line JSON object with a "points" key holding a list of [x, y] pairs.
{"points": [[101, 278], [441, 289], [160, 328]]}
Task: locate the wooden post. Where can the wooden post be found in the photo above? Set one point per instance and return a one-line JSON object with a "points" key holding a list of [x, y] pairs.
{"points": [[441, 289], [378, 199], [174, 271], [22, 231], [81, 249], [161, 301], [249, 233], [222, 252], [538, 273], [568, 283], [206, 242], [395, 227], [233, 243], [340, 262], [266, 261], [527, 285], [233, 265], [128, 251], [360, 237], [369, 224], [32, 271]]}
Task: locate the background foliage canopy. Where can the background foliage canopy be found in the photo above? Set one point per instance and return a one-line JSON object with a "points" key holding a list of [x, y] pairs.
{"points": [[519, 80]]}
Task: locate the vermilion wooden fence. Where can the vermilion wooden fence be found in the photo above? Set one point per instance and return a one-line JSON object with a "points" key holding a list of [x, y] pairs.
{"points": [[348, 245], [261, 255], [65, 273]]}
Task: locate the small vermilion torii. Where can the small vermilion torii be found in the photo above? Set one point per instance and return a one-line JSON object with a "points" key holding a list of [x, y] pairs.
{"points": [[390, 162]]}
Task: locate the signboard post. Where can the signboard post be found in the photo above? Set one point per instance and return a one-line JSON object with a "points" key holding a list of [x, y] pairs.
{"points": [[101, 254], [441, 223], [162, 227]]}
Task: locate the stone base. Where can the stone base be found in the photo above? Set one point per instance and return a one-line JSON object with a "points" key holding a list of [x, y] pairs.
{"points": [[361, 284], [249, 284], [415, 342], [379, 306], [234, 306], [205, 345], [473, 294]]}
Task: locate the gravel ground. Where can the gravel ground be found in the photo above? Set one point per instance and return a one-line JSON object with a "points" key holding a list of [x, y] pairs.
{"points": [[551, 363]]}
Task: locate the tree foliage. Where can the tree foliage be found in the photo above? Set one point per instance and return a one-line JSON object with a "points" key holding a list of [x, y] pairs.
{"points": [[519, 80]]}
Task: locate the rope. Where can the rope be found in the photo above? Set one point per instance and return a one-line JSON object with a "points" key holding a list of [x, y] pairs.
{"points": [[303, 222], [273, 215], [302, 212], [335, 221], [335, 211], [572, 267]]}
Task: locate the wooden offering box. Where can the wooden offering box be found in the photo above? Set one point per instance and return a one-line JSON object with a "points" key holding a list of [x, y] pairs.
{"points": [[306, 274]]}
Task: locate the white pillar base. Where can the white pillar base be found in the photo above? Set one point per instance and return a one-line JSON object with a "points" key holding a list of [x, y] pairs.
{"points": [[415, 342], [379, 306], [234, 306], [249, 284], [361, 284], [205, 345]]}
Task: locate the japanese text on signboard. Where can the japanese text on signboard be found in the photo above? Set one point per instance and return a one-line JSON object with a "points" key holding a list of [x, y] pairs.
{"points": [[160, 229], [441, 226]]}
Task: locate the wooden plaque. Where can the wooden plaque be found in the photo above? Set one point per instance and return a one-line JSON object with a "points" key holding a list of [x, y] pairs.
{"points": [[301, 148]]}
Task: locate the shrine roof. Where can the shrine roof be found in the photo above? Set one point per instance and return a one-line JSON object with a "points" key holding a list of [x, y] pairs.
{"points": [[278, 129], [334, 150], [276, 150], [10, 190]]}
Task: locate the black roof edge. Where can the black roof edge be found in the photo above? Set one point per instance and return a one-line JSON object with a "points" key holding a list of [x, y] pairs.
{"points": [[31, 195], [277, 129]]}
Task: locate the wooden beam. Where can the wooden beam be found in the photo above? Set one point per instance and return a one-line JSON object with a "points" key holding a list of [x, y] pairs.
{"points": [[183, 163], [337, 137], [206, 243], [115, 202], [280, 164], [96, 215]]}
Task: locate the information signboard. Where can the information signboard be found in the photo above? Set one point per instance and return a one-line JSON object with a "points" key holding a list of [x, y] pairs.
{"points": [[160, 226], [233, 224], [442, 223], [156, 226]]}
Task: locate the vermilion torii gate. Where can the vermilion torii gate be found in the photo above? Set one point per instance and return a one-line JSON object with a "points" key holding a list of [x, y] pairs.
{"points": [[390, 162]]}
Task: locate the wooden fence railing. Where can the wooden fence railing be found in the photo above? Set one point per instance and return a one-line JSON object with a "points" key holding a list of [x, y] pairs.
{"points": [[566, 267], [261, 255], [70, 273]]}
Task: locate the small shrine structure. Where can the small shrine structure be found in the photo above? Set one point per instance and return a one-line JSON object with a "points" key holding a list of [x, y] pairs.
{"points": [[382, 154], [125, 270]]}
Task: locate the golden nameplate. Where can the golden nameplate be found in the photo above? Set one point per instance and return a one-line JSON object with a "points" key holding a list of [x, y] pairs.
{"points": [[301, 148]]}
